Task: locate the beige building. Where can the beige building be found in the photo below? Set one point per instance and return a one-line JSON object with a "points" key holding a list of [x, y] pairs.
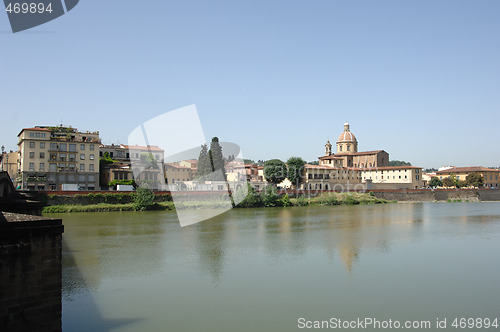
{"points": [[349, 169], [322, 177], [10, 164], [177, 173], [348, 156], [131, 164], [490, 176], [51, 157], [393, 177]]}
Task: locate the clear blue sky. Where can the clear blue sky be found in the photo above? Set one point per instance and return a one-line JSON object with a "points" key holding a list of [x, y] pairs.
{"points": [[419, 79]]}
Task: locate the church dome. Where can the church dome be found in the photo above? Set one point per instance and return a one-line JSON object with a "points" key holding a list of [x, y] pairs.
{"points": [[347, 136]]}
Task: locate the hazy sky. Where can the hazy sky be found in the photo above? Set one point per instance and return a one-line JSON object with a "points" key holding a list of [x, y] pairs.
{"points": [[419, 79]]}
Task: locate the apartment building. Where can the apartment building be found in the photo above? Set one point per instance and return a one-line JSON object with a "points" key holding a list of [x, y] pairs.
{"points": [[50, 157], [491, 177], [144, 164]]}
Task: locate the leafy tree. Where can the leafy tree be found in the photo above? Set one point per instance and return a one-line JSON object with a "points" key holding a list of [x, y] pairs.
{"points": [[430, 170], [252, 198], [144, 199], [295, 170], [148, 160], [126, 182], [435, 182], [248, 161], [285, 201], [449, 181], [474, 180], [313, 162], [105, 160], [461, 183], [275, 171], [270, 197], [399, 163]]}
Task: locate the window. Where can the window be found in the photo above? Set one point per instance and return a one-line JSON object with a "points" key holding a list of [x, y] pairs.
{"points": [[82, 147], [340, 147], [63, 147], [91, 178], [72, 167], [42, 155], [42, 166], [81, 177], [32, 145], [71, 177], [32, 166], [61, 177], [348, 149], [72, 147], [91, 157], [72, 157], [82, 167], [82, 156], [32, 134], [92, 147], [62, 157], [53, 146], [53, 168], [42, 145], [32, 154], [91, 167]]}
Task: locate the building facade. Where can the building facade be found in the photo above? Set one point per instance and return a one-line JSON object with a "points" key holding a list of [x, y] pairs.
{"points": [[491, 177], [52, 157], [349, 169], [10, 164], [144, 164]]}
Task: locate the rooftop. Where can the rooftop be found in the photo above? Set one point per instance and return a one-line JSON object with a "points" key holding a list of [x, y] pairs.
{"points": [[467, 169]]}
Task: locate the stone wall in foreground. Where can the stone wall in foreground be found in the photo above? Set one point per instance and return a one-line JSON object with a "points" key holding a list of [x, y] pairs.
{"points": [[30, 273]]}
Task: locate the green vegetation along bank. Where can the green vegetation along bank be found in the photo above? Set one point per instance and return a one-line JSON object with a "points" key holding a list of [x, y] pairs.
{"points": [[145, 199]]}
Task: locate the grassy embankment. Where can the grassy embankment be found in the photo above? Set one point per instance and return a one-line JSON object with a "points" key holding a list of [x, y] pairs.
{"points": [[126, 201]]}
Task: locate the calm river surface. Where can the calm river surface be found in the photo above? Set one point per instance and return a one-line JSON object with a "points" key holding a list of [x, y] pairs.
{"points": [[263, 269]]}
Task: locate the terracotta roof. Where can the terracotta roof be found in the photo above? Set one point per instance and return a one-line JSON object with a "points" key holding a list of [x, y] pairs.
{"points": [[177, 166], [33, 129], [347, 136], [467, 169], [318, 166], [330, 167], [391, 167], [332, 156], [139, 147], [358, 153]]}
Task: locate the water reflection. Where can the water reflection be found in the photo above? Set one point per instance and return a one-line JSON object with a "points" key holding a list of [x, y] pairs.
{"points": [[249, 262]]}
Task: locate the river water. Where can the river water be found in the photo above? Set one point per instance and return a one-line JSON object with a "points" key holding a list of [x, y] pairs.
{"points": [[278, 269]]}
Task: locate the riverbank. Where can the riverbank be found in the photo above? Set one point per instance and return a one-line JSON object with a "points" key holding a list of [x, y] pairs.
{"points": [[113, 202]]}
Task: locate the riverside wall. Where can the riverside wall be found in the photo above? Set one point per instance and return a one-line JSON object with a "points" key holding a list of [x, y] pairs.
{"points": [[429, 195], [401, 195], [30, 273]]}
